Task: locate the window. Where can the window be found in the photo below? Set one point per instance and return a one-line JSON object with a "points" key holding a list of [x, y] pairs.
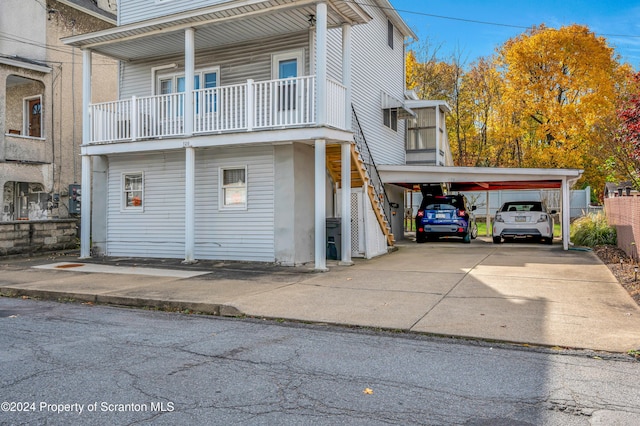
{"points": [[390, 34], [175, 83], [390, 118], [233, 188], [133, 191]]}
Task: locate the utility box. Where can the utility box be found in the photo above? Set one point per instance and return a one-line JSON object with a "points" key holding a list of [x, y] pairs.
{"points": [[75, 198], [334, 238]]}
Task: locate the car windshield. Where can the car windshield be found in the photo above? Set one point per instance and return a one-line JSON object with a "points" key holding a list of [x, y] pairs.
{"points": [[522, 207]]}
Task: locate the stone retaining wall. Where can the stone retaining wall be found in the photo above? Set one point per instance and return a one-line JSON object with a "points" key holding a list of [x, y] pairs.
{"points": [[30, 236], [624, 214]]}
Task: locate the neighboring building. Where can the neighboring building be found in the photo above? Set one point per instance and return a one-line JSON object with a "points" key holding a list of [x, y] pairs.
{"points": [[619, 189], [233, 136], [41, 102]]}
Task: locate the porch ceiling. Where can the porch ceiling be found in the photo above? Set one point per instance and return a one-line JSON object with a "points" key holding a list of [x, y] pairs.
{"points": [[220, 25]]}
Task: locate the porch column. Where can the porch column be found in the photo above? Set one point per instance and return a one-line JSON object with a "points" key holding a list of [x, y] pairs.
{"points": [[321, 63], [85, 204], [320, 205], [85, 208], [189, 205], [346, 204], [438, 135], [346, 72], [189, 75], [566, 213]]}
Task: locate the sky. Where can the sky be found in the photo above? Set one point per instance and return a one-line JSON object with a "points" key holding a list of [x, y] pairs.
{"points": [[476, 27]]}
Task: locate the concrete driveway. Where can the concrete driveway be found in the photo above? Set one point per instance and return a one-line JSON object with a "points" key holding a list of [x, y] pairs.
{"points": [[524, 293]]}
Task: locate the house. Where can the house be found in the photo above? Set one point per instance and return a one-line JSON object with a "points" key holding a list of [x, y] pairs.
{"points": [[242, 128], [40, 102], [619, 189]]}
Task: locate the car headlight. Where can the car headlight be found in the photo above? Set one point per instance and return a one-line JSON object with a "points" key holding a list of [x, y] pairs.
{"points": [[499, 218], [543, 218]]}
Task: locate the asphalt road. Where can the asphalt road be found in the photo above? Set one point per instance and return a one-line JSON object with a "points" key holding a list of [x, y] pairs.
{"points": [[66, 363]]}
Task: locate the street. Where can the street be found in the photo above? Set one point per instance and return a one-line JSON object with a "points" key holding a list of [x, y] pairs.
{"points": [[71, 363]]}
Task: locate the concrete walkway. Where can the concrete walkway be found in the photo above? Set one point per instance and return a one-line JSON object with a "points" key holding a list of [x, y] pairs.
{"points": [[523, 293]]}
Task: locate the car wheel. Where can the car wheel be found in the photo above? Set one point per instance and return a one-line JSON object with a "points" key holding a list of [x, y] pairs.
{"points": [[474, 231], [497, 240], [548, 241], [420, 238], [467, 238]]}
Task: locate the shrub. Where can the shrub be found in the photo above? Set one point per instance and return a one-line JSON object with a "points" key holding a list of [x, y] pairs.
{"points": [[593, 230]]}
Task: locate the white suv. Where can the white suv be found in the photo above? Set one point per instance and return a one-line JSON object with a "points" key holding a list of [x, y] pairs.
{"points": [[523, 219]]}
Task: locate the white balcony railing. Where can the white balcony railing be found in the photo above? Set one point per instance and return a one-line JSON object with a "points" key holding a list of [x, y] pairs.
{"points": [[252, 106]]}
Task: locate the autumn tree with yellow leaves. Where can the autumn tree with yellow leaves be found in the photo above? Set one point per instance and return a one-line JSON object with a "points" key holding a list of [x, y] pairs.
{"points": [[547, 99]]}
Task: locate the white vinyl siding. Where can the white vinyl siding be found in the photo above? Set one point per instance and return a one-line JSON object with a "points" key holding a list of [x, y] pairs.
{"points": [[375, 68], [139, 10], [246, 234], [237, 64], [158, 231], [220, 234]]}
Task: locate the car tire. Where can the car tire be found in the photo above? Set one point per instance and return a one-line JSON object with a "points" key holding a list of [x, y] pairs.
{"points": [[548, 241], [474, 231], [420, 238], [497, 240], [467, 238]]}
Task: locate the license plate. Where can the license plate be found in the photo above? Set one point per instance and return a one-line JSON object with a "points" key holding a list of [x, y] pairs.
{"points": [[521, 219], [441, 216]]}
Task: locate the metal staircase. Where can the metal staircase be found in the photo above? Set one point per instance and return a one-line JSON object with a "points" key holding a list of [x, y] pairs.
{"points": [[363, 173]]}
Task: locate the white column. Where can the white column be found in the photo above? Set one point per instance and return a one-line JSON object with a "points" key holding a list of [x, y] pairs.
{"points": [[85, 208], [86, 96], [438, 135], [566, 213], [346, 204], [346, 72], [189, 74], [321, 62], [320, 205], [85, 203], [189, 205]]}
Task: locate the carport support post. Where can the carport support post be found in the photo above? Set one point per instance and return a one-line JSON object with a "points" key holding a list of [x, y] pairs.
{"points": [[566, 213]]}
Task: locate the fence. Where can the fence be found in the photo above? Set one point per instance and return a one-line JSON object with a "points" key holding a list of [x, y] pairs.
{"points": [[624, 214]]}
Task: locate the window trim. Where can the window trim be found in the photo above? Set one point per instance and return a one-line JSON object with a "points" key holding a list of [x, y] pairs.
{"points": [[174, 76], [221, 188], [123, 193], [276, 58]]}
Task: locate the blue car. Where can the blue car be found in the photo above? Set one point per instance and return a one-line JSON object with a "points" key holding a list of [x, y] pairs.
{"points": [[445, 216]]}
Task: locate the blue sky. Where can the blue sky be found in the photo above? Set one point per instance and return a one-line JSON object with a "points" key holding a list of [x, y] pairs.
{"points": [[618, 21]]}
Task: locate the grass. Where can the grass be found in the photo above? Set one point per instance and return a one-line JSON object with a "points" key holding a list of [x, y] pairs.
{"points": [[482, 228]]}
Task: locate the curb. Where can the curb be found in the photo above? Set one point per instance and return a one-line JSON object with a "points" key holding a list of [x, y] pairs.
{"points": [[205, 308]]}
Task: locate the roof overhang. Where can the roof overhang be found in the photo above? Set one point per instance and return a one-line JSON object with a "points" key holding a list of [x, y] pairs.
{"points": [[218, 25], [24, 64], [478, 178], [396, 19]]}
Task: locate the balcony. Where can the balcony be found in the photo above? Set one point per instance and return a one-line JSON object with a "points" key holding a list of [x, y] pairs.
{"points": [[249, 107]]}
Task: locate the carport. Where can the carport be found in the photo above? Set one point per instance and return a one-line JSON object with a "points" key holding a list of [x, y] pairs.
{"points": [[488, 179]]}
